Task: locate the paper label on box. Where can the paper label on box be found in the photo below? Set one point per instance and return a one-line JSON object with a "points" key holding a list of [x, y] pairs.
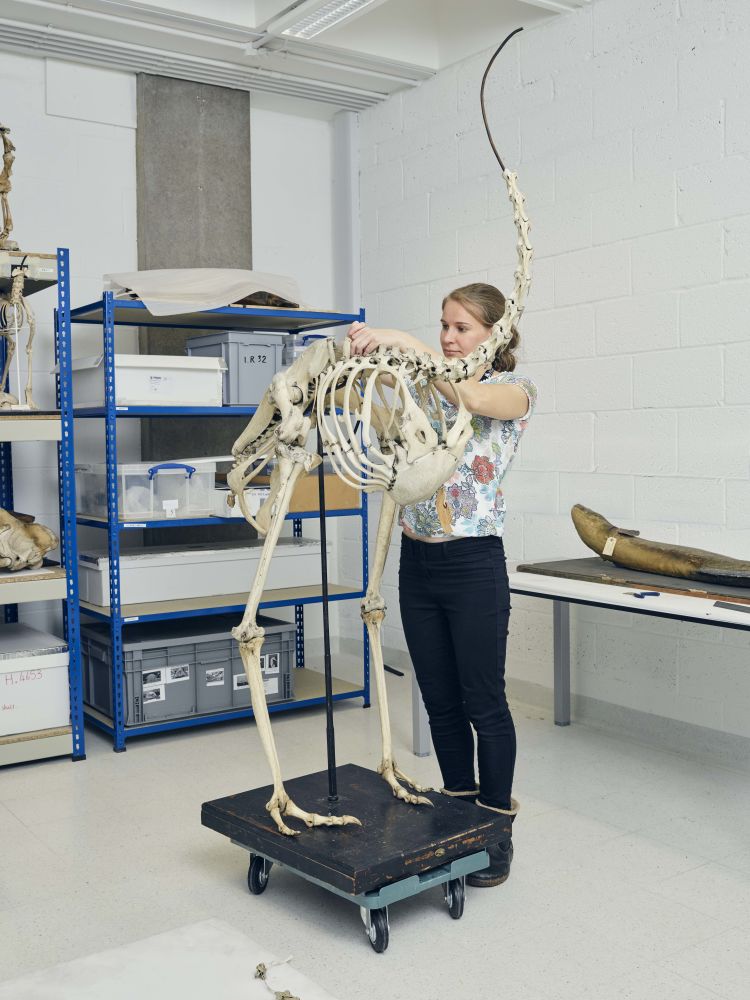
{"points": [[215, 677], [239, 681], [269, 664], [180, 672], [150, 678], [158, 383], [155, 693], [271, 685]]}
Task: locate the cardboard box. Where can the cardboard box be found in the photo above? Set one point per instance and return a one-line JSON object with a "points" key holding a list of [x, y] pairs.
{"points": [[339, 495]]}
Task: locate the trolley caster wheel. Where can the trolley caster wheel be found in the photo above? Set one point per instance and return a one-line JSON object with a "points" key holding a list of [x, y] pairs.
{"points": [[455, 896], [258, 874], [376, 927]]}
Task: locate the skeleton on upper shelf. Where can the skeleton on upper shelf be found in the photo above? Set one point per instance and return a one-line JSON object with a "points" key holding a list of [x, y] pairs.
{"points": [[14, 309], [407, 450], [5, 185]]}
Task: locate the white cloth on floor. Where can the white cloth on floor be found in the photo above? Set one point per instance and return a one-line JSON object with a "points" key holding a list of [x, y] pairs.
{"points": [[207, 959], [168, 292]]}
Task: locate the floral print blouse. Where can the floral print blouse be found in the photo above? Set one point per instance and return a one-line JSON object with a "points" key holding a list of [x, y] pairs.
{"points": [[475, 501]]}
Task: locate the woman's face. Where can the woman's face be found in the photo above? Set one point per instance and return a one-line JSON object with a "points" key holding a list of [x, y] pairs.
{"points": [[460, 332]]}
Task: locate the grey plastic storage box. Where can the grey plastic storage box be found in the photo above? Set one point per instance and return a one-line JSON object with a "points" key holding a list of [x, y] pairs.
{"points": [[175, 670], [276, 664], [252, 359]]}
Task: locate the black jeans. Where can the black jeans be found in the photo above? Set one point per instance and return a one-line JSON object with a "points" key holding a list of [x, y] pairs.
{"points": [[455, 605]]}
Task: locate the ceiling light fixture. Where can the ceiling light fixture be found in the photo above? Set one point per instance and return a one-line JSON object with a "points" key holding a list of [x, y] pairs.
{"points": [[325, 17]]}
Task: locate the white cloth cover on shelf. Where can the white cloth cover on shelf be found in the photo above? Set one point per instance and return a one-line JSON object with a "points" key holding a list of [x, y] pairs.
{"points": [[184, 290]]}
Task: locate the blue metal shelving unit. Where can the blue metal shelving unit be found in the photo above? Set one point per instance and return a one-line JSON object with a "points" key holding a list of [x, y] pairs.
{"points": [[66, 496], [110, 313]]}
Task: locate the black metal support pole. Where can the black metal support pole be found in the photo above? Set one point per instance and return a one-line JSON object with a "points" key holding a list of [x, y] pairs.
{"points": [[330, 736]]}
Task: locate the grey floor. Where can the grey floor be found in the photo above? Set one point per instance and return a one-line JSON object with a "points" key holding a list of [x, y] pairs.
{"points": [[631, 878]]}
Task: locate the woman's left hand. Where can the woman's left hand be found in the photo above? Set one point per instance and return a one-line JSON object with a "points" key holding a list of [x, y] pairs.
{"points": [[366, 339]]}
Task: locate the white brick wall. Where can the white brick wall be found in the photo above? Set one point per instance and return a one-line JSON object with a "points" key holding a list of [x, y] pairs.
{"points": [[73, 186], [628, 125]]}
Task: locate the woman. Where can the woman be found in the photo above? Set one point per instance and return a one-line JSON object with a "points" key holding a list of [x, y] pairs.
{"points": [[453, 583]]}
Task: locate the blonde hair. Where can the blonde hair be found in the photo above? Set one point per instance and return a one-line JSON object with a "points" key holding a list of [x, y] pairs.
{"points": [[487, 305]]}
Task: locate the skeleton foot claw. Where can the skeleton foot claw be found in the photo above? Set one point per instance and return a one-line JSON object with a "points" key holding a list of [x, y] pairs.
{"points": [[391, 775], [275, 814], [410, 781], [315, 819], [277, 809]]}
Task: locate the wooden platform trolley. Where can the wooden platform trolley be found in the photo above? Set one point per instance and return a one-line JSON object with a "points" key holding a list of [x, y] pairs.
{"points": [[399, 851]]}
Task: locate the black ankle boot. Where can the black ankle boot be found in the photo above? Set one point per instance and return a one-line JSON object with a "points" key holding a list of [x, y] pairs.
{"points": [[498, 871], [501, 854]]}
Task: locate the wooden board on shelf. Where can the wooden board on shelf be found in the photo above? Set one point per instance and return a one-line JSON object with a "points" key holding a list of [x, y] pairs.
{"points": [[36, 746], [45, 584], [286, 594], [41, 270], [34, 426]]}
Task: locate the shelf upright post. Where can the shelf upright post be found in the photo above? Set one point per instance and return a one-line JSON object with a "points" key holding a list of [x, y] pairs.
{"points": [[67, 498], [113, 521]]}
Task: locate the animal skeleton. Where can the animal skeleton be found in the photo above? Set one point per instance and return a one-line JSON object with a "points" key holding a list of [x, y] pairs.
{"points": [[23, 544], [406, 450], [5, 186], [14, 311], [14, 308]]}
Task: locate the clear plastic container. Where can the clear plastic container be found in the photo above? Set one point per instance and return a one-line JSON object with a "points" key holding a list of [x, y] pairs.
{"points": [[148, 491], [296, 343]]}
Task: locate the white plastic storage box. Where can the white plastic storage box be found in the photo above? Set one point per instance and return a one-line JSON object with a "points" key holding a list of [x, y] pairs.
{"points": [[251, 359], [254, 496], [34, 691], [150, 380], [176, 669], [206, 570], [148, 490]]}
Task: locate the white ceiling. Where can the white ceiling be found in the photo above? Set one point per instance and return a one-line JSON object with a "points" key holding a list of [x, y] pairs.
{"points": [[391, 45]]}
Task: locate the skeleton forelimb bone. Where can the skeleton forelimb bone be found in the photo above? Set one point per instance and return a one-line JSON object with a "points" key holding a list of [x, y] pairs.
{"points": [[402, 445]]}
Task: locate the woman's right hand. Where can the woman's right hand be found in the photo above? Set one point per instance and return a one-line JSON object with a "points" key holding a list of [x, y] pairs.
{"points": [[366, 339]]}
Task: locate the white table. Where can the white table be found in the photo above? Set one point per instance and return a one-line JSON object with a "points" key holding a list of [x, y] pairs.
{"points": [[689, 604]]}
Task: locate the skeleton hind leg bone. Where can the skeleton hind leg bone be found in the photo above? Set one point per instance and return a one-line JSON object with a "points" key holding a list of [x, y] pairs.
{"points": [[292, 461], [373, 613]]}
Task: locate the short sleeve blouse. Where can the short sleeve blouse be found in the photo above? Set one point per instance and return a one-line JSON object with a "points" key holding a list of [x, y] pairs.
{"points": [[473, 495]]}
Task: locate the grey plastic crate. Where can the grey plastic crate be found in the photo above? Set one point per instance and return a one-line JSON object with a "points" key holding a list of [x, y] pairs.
{"points": [[252, 360], [276, 664], [175, 670]]}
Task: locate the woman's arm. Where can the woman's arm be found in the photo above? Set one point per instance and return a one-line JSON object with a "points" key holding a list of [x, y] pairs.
{"points": [[501, 402]]}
